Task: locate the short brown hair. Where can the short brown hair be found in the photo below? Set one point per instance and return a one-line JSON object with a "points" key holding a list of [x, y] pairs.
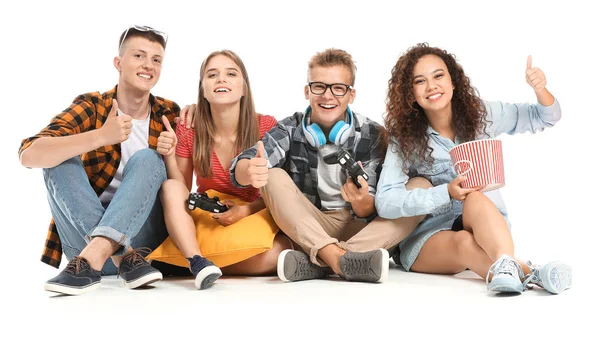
{"points": [[333, 57], [149, 35]]}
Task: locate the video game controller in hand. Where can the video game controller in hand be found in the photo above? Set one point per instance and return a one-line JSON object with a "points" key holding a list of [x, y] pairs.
{"points": [[354, 169], [202, 201]]}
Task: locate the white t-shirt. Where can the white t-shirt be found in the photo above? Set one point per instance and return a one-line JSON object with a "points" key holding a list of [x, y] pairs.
{"points": [[331, 180], [138, 139]]}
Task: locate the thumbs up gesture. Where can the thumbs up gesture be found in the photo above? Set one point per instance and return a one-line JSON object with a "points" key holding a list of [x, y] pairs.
{"points": [[258, 172], [167, 140], [116, 128], [535, 77]]}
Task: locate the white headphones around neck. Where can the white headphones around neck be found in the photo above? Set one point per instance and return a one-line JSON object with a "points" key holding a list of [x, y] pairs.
{"points": [[338, 135]]}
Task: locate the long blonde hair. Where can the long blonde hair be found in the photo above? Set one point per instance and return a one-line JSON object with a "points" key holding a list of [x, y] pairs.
{"points": [[248, 128]]}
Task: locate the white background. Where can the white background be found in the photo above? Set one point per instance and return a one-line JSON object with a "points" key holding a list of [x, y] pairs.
{"points": [[52, 51]]}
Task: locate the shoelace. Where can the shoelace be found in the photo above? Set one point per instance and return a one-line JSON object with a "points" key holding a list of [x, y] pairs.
{"points": [[75, 265], [135, 257], [532, 277], [507, 265], [306, 268], [360, 266]]}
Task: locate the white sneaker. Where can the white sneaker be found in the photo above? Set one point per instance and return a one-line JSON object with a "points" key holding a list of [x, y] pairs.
{"points": [[507, 274], [554, 277]]}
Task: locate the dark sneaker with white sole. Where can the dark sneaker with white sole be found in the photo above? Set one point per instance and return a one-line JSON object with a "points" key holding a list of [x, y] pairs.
{"points": [[135, 270], [77, 278], [296, 265], [369, 267], [205, 271]]}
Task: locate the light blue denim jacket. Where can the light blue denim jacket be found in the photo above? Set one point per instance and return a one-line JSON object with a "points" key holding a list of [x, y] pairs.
{"points": [[392, 200]]}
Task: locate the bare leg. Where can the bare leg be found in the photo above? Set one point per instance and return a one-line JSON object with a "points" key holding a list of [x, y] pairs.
{"points": [[489, 228], [99, 250], [331, 255], [449, 252], [180, 224], [261, 264]]}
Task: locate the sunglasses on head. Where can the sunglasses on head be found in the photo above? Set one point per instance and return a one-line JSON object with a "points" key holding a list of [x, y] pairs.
{"points": [[143, 28]]}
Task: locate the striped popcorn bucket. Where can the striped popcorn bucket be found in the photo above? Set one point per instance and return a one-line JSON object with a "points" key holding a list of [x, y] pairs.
{"points": [[481, 162]]}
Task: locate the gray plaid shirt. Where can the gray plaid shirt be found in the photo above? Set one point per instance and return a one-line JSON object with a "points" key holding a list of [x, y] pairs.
{"points": [[287, 148]]}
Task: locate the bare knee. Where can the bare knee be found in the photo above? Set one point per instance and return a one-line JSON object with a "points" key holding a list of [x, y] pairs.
{"points": [[418, 183], [477, 198], [464, 243]]}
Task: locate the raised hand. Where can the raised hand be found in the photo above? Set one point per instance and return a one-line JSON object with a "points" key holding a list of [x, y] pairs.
{"points": [[535, 77], [258, 172], [186, 116], [116, 128], [167, 141]]}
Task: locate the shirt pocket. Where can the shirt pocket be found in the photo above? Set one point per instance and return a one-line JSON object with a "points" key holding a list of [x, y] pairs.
{"points": [[440, 172]]}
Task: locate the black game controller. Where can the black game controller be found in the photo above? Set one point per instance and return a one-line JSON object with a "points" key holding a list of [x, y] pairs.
{"points": [[349, 164], [202, 201]]}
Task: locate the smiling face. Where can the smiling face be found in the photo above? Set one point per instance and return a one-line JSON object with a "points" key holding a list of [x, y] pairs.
{"points": [[327, 109], [222, 81], [432, 84], [140, 63]]}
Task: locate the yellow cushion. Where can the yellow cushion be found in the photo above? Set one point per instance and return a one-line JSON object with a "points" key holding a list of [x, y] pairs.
{"points": [[223, 246]]}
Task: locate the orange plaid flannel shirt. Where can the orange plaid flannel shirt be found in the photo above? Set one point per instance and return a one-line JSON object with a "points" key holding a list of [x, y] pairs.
{"points": [[88, 112]]}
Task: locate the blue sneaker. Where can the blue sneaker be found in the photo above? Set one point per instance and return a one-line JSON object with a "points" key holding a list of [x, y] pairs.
{"points": [[205, 271], [507, 274], [135, 271], [554, 277], [77, 278]]}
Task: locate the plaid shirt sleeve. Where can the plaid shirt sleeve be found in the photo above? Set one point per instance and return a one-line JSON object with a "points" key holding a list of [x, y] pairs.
{"points": [[79, 117], [277, 145]]}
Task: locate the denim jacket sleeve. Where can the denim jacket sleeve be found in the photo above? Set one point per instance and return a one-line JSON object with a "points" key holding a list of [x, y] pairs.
{"points": [[277, 145], [520, 117], [393, 200]]}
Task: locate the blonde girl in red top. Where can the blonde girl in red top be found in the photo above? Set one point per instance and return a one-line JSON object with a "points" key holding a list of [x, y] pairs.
{"points": [[225, 123]]}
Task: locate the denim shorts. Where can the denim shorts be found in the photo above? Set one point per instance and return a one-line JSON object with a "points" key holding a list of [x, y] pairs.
{"points": [[411, 246]]}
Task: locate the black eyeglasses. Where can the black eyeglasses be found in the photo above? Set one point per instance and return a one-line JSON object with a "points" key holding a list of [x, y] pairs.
{"points": [[143, 28], [337, 89]]}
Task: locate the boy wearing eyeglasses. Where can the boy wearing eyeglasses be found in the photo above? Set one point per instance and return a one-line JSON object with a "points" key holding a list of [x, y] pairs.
{"points": [[103, 172], [331, 219]]}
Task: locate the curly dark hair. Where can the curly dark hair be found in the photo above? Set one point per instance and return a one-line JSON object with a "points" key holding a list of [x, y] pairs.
{"points": [[405, 120]]}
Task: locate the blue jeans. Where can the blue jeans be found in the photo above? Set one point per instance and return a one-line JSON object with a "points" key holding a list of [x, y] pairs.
{"points": [[133, 218]]}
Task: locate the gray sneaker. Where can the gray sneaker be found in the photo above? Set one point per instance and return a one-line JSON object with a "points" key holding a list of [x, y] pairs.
{"points": [[296, 265], [554, 277], [371, 267]]}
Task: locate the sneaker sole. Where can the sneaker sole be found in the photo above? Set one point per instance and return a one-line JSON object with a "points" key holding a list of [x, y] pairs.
{"points": [[558, 278], [280, 263], [385, 265], [505, 285], [68, 290], [207, 277], [143, 280]]}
